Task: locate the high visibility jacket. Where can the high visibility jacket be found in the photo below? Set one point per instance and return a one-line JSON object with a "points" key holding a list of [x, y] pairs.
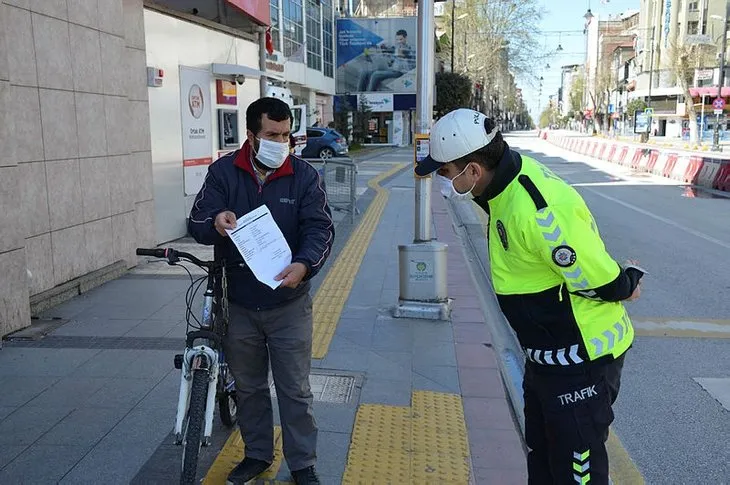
{"points": [[558, 287]]}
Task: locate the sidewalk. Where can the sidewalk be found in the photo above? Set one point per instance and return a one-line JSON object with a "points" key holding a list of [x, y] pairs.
{"points": [[396, 401]]}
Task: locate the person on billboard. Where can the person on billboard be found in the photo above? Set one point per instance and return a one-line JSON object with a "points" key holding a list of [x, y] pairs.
{"points": [[269, 327], [391, 62]]}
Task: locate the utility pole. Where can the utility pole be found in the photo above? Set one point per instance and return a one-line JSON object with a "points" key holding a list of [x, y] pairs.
{"points": [[262, 61], [716, 132], [645, 136], [422, 264], [453, 27]]}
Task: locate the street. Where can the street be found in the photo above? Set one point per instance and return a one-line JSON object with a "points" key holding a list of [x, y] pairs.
{"points": [[673, 429]]}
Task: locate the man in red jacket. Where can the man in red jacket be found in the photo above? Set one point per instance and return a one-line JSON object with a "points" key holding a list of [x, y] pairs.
{"points": [[269, 326]]}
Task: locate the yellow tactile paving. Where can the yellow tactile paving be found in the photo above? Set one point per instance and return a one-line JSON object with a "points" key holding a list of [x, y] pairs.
{"points": [[425, 443], [335, 289], [232, 454]]}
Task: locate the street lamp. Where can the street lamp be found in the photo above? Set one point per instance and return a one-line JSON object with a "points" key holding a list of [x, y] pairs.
{"points": [[716, 131]]}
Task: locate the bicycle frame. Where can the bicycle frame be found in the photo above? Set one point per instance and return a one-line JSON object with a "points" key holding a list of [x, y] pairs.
{"points": [[199, 357]]}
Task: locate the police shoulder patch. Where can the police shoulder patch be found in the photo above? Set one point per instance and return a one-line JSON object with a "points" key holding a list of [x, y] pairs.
{"points": [[564, 256], [502, 235]]}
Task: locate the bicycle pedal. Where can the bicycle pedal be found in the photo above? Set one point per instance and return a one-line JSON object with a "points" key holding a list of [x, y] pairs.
{"points": [[178, 361]]}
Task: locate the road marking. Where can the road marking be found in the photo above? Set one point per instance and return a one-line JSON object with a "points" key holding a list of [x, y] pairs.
{"points": [[623, 470], [681, 327], [718, 388], [335, 289], [423, 443], [232, 454], [662, 219]]}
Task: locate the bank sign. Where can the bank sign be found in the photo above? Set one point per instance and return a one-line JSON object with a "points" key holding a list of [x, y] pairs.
{"points": [[377, 102]]}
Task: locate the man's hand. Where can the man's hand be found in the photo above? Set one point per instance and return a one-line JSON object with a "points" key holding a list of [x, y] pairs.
{"points": [[292, 275], [225, 220]]}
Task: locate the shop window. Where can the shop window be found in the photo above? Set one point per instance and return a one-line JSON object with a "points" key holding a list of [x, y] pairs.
{"points": [[327, 37], [314, 35], [293, 26], [275, 23]]}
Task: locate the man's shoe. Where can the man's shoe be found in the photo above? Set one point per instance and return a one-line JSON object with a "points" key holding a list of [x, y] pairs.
{"points": [[247, 470], [306, 476]]}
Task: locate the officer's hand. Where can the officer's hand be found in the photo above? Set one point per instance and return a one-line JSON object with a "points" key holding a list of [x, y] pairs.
{"points": [[225, 220], [292, 275], [636, 294]]}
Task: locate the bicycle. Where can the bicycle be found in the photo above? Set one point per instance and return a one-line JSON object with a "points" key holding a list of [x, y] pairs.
{"points": [[204, 376]]}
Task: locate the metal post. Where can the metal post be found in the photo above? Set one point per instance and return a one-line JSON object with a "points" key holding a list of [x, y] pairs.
{"points": [[453, 27], [716, 133], [424, 111], [262, 61], [422, 264]]}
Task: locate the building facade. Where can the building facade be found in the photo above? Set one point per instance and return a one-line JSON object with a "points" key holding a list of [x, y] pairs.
{"points": [[75, 168], [218, 48], [662, 24]]}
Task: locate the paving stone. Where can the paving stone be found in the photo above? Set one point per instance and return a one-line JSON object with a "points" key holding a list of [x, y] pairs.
{"points": [[28, 423], [380, 391], [437, 353], [332, 451], [42, 362], [480, 382], [41, 464], [475, 355], [382, 366], [488, 413], [17, 391], [84, 427], [69, 392]]}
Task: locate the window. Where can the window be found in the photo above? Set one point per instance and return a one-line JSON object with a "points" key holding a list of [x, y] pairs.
{"points": [[693, 28], [293, 26], [327, 28], [694, 6], [275, 24], [314, 133], [314, 35]]}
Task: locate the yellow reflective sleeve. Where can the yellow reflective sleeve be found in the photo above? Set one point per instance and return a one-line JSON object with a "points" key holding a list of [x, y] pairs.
{"points": [[567, 239]]}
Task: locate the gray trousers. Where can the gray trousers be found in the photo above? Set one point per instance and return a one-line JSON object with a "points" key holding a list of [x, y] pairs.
{"points": [[282, 336]]}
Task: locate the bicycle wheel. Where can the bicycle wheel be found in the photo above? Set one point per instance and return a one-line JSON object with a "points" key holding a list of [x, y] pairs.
{"points": [[194, 431], [227, 407]]}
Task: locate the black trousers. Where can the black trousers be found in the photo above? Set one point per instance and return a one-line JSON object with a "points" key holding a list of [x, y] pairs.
{"points": [[567, 416]]}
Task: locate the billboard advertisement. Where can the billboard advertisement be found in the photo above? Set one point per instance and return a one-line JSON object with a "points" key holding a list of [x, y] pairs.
{"points": [[376, 55]]}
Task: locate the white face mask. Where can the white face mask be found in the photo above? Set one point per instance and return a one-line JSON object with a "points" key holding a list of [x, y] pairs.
{"points": [[271, 153], [449, 191]]}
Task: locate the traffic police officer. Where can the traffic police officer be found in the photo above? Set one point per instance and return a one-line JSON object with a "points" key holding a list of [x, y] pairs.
{"points": [[558, 287]]}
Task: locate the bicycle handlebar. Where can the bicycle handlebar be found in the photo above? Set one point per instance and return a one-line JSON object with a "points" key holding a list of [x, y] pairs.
{"points": [[173, 255]]}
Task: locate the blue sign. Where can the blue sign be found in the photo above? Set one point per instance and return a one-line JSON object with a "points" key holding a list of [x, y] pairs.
{"points": [[376, 55]]}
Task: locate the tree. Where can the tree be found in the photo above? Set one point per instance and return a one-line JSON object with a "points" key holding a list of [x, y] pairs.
{"points": [[633, 106], [361, 120], [605, 84], [576, 94], [684, 58], [549, 116], [342, 118], [453, 91]]}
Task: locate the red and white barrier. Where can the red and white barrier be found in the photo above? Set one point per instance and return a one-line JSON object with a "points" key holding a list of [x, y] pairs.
{"points": [[707, 172]]}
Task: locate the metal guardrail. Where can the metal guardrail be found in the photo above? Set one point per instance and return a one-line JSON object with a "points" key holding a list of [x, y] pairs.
{"points": [[340, 182]]}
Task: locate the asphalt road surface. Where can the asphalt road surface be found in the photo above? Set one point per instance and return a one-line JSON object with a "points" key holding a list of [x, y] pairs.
{"points": [[675, 431]]}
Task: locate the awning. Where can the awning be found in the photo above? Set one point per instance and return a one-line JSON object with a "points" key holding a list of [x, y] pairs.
{"points": [[709, 91], [239, 70]]}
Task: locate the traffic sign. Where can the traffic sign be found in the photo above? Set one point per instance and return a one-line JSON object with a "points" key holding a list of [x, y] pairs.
{"points": [[718, 103], [649, 111]]}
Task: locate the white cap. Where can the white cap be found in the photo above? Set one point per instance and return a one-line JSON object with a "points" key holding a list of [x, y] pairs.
{"points": [[459, 133]]}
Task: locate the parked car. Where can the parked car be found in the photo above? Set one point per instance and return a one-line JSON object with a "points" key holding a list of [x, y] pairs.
{"points": [[324, 143]]}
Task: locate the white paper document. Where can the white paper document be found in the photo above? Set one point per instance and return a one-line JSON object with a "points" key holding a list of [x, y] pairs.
{"points": [[262, 245]]}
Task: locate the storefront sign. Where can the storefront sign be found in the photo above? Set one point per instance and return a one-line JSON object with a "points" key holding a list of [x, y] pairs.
{"points": [[274, 62], [197, 124], [226, 92], [377, 102]]}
